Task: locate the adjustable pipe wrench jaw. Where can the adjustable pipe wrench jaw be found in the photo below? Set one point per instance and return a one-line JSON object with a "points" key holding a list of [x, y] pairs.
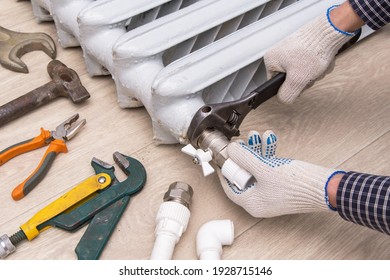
{"points": [[100, 166], [228, 116], [135, 171]]}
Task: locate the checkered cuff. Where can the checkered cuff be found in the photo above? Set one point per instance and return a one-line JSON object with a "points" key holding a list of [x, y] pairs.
{"points": [[364, 199]]}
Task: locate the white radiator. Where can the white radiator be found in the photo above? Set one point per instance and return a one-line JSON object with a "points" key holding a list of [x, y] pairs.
{"points": [[175, 56]]}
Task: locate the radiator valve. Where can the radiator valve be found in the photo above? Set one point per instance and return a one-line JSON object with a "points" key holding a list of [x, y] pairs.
{"points": [[213, 146]]}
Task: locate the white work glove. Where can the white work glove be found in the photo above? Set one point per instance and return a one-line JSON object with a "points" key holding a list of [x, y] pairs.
{"points": [[283, 186], [305, 56]]}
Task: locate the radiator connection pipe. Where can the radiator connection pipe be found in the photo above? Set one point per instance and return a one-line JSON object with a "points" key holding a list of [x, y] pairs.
{"points": [[213, 146], [172, 220], [212, 236], [216, 143]]}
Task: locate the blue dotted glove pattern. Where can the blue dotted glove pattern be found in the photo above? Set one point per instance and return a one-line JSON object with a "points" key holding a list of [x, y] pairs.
{"points": [[263, 152]]}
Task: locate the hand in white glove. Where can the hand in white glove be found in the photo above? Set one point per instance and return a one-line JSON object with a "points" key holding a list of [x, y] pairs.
{"points": [[284, 186], [305, 56]]}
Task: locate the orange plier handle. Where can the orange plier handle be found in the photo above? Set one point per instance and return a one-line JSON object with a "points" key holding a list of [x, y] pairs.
{"points": [[25, 146], [55, 147]]}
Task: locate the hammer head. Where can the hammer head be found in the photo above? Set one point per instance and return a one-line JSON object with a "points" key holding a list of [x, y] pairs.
{"points": [[67, 81]]}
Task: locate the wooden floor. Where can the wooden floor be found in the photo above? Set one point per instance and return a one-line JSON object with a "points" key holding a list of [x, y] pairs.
{"points": [[343, 122]]}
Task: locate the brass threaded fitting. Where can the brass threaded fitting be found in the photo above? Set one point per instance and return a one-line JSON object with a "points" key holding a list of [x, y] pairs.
{"points": [[179, 192]]}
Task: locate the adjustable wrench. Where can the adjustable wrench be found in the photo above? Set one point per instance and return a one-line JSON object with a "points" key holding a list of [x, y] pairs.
{"points": [[213, 125], [227, 117]]}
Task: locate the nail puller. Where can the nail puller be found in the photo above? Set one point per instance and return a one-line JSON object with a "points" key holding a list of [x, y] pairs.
{"points": [[55, 139]]}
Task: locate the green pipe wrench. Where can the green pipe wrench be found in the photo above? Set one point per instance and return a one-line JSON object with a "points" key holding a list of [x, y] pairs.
{"points": [[104, 210]]}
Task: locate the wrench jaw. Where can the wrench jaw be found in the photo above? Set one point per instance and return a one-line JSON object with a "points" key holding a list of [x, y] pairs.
{"points": [[134, 170], [100, 166], [17, 44], [37, 42], [123, 162], [213, 126]]}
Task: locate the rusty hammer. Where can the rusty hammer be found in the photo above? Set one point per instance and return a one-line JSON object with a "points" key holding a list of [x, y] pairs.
{"points": [[15, 44], [65, 83]]}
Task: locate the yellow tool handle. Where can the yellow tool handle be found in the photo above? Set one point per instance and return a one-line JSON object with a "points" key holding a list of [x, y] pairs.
{"points": [[25, 146], [66, 201], [55, 147]]}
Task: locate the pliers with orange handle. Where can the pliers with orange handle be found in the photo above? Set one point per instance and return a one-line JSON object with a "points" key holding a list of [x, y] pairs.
{"points": [[56, 141]]}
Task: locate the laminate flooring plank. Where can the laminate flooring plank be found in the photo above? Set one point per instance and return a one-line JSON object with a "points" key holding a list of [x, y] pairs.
{"points": [[373, 159], [319, 235], [10, 8], [309, 237]]}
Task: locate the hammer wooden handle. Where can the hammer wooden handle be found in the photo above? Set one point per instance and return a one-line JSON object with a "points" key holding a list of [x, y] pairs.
{"points": [[27, 103], [65, 83]]}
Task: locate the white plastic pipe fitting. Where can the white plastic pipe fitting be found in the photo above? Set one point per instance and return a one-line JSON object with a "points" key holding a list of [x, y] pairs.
{"points": [[172, 220], [212, 236]]}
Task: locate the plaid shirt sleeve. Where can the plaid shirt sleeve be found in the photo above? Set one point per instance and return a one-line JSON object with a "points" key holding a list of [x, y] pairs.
{"points": [[364, 199], [375, 13]]}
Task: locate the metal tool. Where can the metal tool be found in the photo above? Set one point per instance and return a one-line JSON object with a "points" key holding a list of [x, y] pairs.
{"points": [[33, 227], [101, 199], [65, 83], [227, 117], [56, 141], [13, 45], [106, 208], [213, 125]]}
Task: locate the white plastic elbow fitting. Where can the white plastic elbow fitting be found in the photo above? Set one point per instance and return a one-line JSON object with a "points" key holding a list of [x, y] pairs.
{"points": [[172, 220], [212, 236]]}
